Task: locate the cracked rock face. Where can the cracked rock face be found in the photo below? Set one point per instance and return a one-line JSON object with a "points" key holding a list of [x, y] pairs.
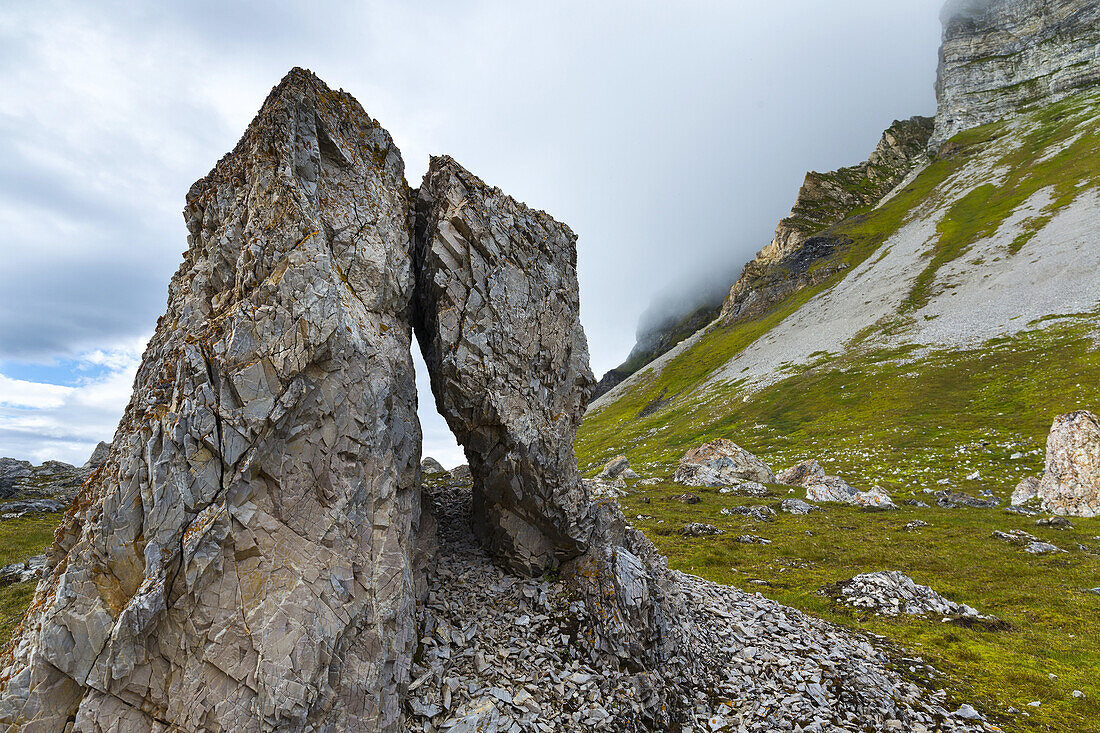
{"points": [[1071, 483], [999, 55], [500, 331], [242, 559]]}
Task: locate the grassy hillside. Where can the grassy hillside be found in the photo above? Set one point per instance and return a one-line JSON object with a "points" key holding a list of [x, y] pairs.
{"points": [[891, 414]]}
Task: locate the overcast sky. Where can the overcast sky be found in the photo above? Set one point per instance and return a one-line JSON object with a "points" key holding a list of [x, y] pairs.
{"points": [[670, 136]]}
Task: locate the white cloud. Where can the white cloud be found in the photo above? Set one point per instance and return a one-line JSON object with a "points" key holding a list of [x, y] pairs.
{"points": [[41, 421], [33, 395]]}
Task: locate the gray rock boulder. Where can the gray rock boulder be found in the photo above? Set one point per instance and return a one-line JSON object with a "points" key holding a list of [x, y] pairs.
{"points": [[798, 507], [721, 463], [617, 467], [498, 324], [890, 593], [430, 465], [1025, 491], [243, 560], [700, 529], [805, 472], [820, 487], [21, 572], [1071, 484]]}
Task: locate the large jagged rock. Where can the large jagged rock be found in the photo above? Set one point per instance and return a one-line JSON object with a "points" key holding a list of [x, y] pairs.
{"points": [[242, 560], [499, 329], [1071, 483], [721, 463], [999, 55]]}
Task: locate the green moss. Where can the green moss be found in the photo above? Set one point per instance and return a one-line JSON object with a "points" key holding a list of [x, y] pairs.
{"points": [[20, 539]]}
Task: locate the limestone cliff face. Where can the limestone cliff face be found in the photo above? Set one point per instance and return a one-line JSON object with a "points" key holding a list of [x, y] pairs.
{"points": [[999, 55], [800, 241], [242, 560]]}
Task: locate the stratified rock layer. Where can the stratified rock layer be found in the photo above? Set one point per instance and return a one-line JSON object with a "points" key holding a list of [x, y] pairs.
{"points": [[1071, 483], [242, 559], [500, 331], [999, 55]]}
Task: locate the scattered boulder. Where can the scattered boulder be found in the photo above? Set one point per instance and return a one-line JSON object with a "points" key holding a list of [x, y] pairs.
{"points": [[797, 506], [953, 499], [751, 539], [821, 488], [890, 593], [498, 321], [617, 467], [745, 488], [915, 525], [245, 558], [806, 472], [967, 712], [700, 529], [1071, 482], [721, 463], [759, 513], [21, 572], [1054, 523], [1015, 536], [1041, 548], [430, 465], [1025, 491]]}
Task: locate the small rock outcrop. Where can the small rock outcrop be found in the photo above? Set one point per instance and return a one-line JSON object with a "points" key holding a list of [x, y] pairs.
{"points": [[1025, 491], [721, 463], [499, 327], [430, 465], [243, 560], [617, 467], [890, 593], [1071, 483], [999, 55], [820, 487], [98, 457], [52, 479]]}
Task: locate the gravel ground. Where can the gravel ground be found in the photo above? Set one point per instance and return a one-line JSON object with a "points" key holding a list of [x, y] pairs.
{"points": [[501, 653]]}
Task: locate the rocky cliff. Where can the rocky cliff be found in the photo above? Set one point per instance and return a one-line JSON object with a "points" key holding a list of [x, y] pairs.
{"points": [[1000, 55], [797, 255]]}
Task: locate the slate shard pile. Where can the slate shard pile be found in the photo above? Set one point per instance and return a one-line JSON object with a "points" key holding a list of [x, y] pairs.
{"points": [[509, 653], [500, 331], [243, 559]]}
